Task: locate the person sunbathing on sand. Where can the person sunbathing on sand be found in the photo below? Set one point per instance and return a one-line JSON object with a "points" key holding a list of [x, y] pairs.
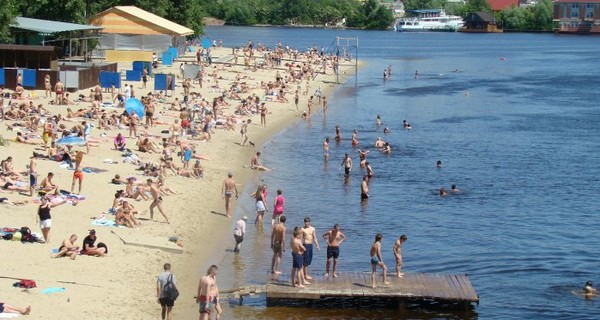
{"points": [[125, 215], [118, 180], [134, 192], [7, 308], [255, 164], [68, 248], [21, 139]]}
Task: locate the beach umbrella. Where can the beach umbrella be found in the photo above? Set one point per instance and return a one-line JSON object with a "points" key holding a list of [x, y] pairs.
{"points": [[70, 141], [134, 105], [206, 44]]}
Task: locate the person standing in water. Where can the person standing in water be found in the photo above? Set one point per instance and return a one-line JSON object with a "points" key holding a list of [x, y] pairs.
{"points": [[326, 149]]}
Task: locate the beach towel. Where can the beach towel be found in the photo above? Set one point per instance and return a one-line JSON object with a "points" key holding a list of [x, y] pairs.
{"points": [[103, 222], [52, 290], [93, 170], [8, 315]]}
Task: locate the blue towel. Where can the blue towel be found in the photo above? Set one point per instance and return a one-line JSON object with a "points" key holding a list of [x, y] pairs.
{"points": [[53, 290]]}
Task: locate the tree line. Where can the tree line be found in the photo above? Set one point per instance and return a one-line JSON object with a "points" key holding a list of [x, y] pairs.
{"points": [[368, 14], [533, 18]]}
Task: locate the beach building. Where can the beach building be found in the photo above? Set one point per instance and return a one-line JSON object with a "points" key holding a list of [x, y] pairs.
{"points": [[30, 34], [132, 34], [577, 16]]}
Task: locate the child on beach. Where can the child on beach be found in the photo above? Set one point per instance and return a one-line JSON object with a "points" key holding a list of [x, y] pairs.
{"points": [[376, 260]]}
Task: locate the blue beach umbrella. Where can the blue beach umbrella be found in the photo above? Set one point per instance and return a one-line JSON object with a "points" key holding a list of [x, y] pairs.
{"points": [[70, 141], [206, 43], [134, 105]]}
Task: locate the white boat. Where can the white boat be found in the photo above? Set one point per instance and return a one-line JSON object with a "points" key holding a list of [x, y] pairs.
{"points": [[429, 20]]}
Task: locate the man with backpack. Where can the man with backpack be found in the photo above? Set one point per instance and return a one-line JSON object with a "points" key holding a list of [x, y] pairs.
{"points": [[164, 282]]}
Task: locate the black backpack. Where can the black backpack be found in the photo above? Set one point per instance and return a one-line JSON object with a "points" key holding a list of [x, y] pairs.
{"points": [[26, 235], [170, 290]]}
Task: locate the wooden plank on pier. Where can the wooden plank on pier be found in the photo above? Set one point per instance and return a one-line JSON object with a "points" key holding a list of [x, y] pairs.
{"points": [[450, 288]]}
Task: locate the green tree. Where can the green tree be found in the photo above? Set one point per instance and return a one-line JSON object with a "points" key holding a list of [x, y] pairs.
{"points": [[424, 4], [514, 18], [477, 5], [8, 11], [57, 10], [377, 16], [542, 14], [187, 13]]}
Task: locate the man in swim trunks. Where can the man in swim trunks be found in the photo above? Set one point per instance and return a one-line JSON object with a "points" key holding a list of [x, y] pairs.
{"points": [[308, 235], [364, 188], [298, 251], [278, 244], [376, 260], [347, 164], [206, 289], [334, 238], [157, 200], [228, 189]]}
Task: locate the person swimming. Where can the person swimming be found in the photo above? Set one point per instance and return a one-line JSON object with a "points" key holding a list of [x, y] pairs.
{"points": [[589, 289]]}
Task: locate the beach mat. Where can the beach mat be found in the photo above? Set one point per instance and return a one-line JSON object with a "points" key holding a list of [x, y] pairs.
{"points": [[133, 237]]}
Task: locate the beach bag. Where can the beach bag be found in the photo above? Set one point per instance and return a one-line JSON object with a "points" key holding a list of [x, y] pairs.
{"points": [[170, 290]]}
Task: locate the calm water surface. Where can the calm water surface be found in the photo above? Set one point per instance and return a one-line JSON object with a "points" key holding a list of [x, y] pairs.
{"points": [[517, 128]]}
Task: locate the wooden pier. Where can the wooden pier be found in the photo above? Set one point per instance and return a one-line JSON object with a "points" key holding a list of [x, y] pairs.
{"points": [[354, 289]]}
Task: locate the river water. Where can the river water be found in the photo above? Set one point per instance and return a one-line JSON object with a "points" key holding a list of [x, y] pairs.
{"points": [[515, 120]]}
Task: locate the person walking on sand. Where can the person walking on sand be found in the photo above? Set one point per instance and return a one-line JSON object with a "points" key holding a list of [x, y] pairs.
{"points": [[334, 238], [278, 244], [161, 282], [239, 232], [398, 254], [376, 260], [157, 200], [244, 131], [298, 250], [228, 189], [309, 237]]}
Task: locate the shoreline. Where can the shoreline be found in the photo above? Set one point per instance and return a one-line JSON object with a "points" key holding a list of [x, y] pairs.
{"points": [[124, 281]]}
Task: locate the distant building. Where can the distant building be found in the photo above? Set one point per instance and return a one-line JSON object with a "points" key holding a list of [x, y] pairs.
{"points": [[480, 22], [577, 16], [499, 5]]}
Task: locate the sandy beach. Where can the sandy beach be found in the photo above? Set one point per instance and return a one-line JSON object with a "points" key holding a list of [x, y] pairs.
{"points": [[122, 285]]}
